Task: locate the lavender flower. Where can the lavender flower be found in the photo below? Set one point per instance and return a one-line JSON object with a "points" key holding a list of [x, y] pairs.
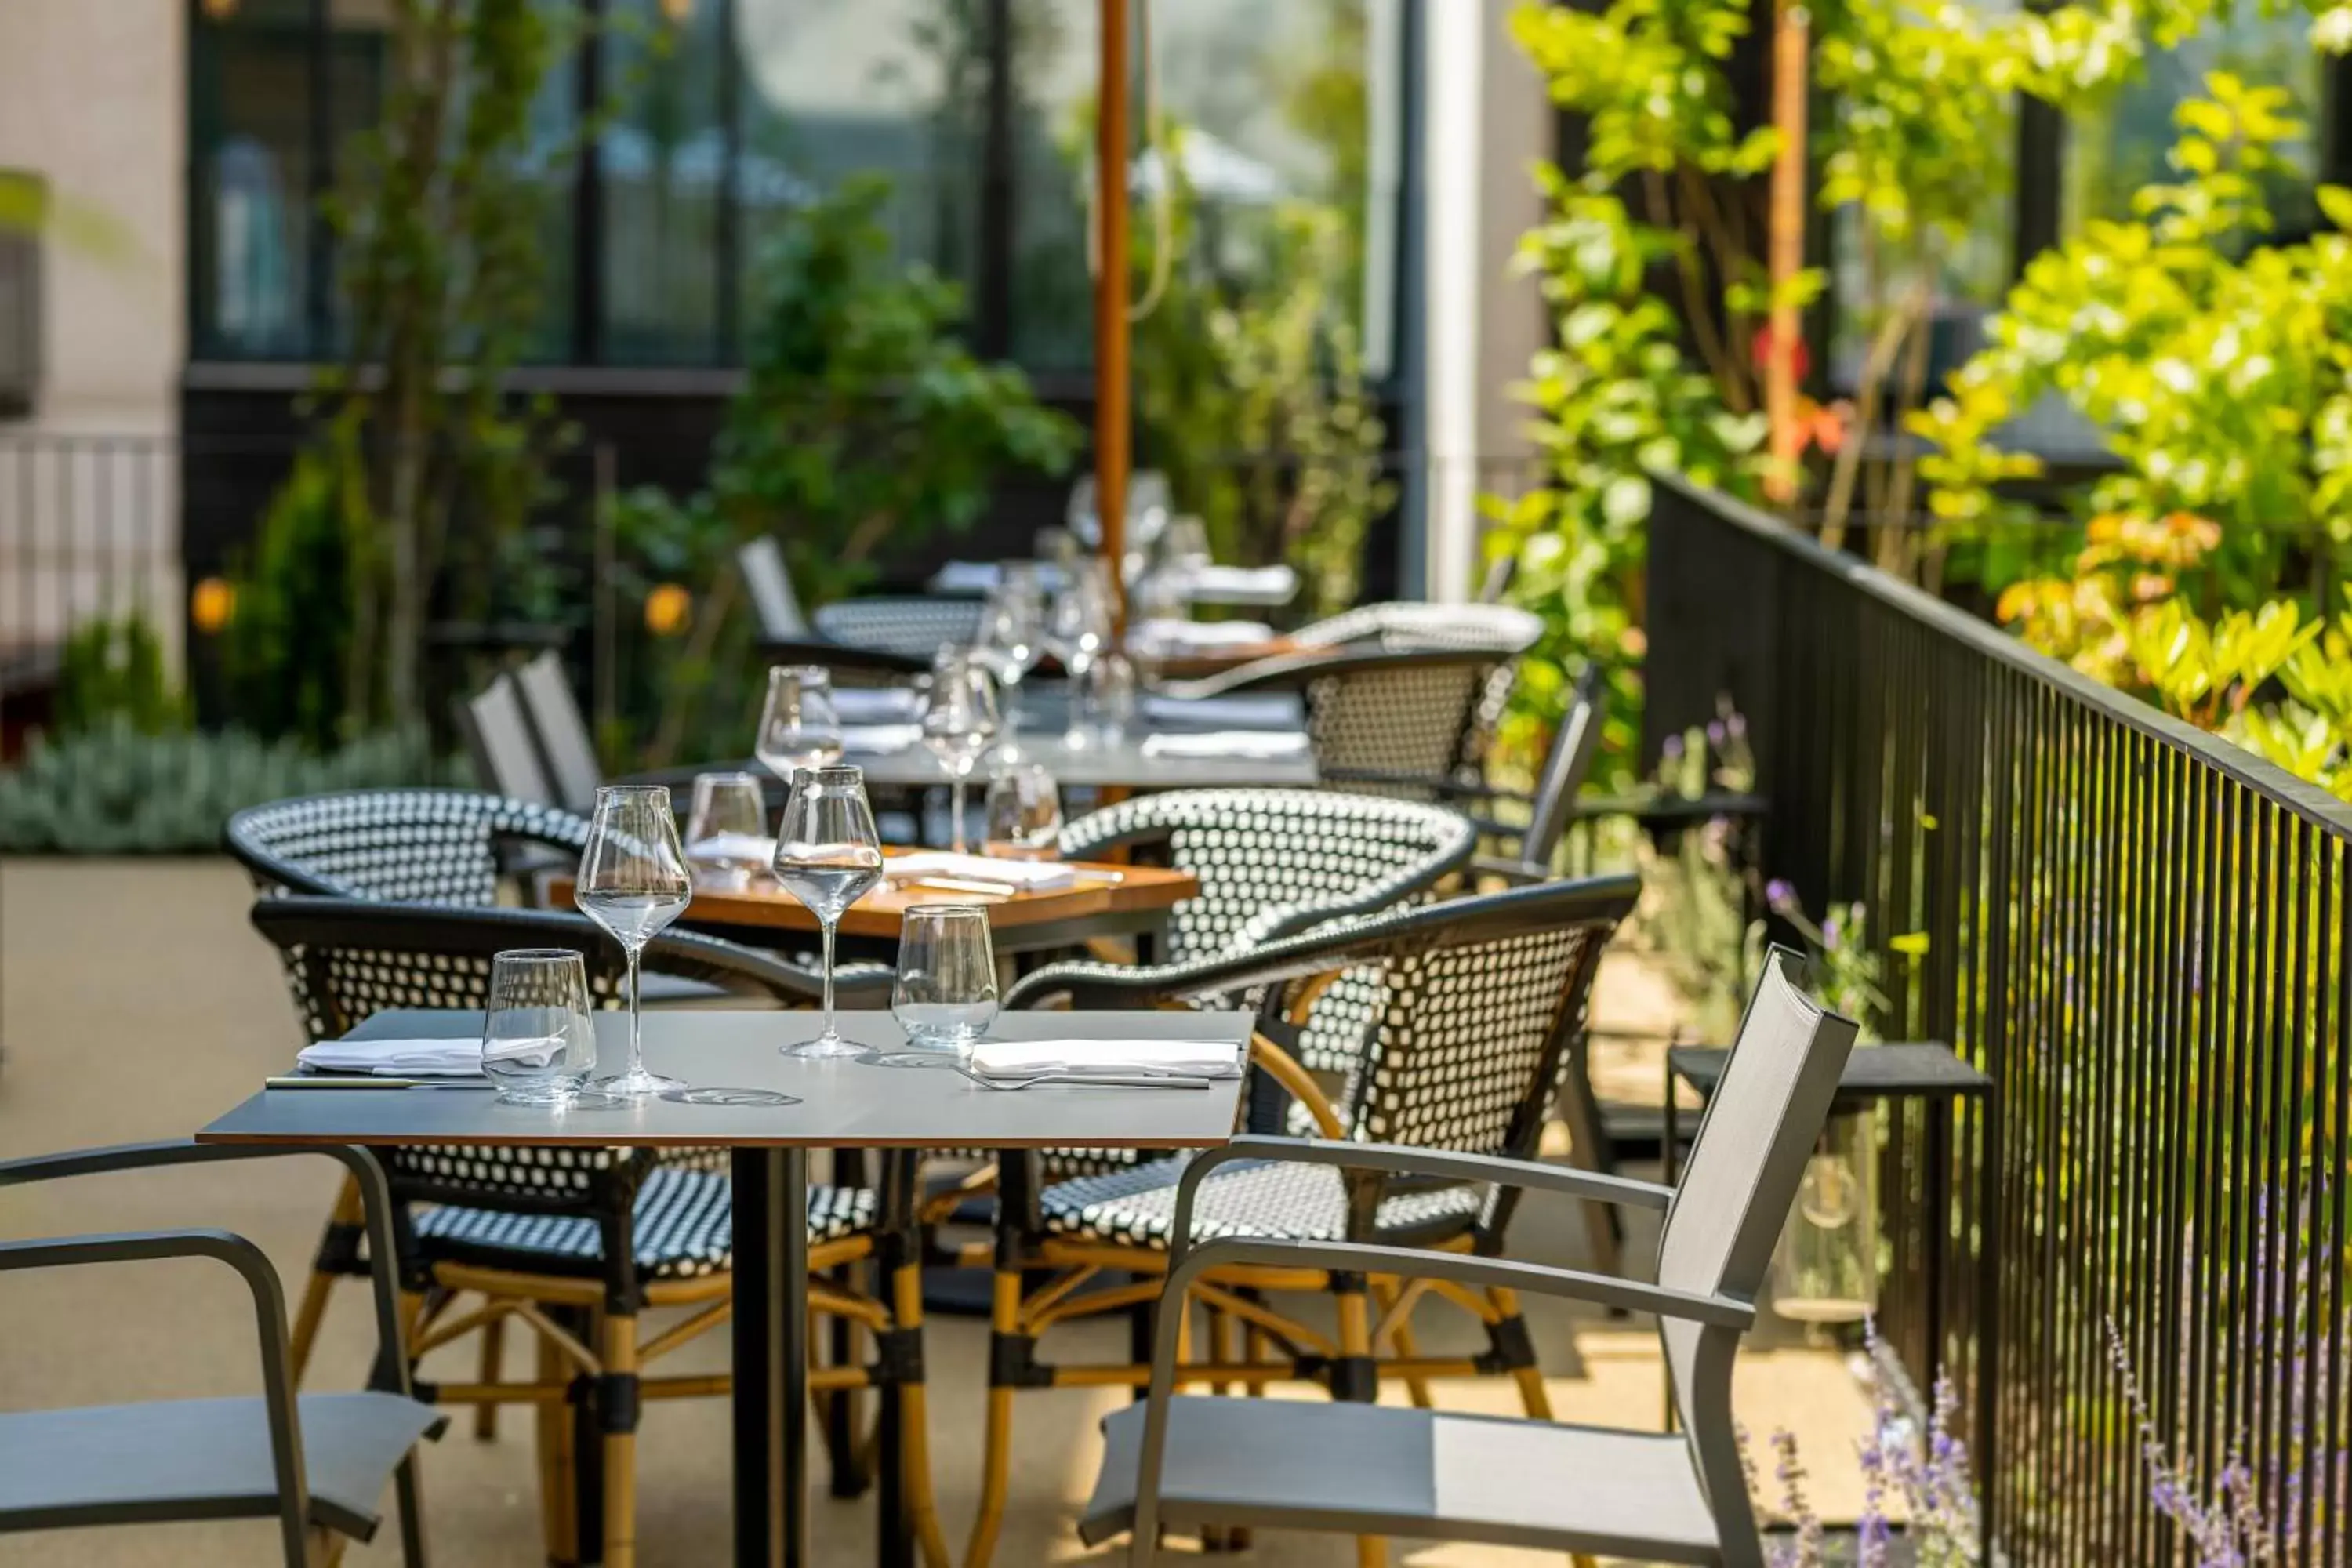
{"points": [[1671, 749], [1781, 894]]}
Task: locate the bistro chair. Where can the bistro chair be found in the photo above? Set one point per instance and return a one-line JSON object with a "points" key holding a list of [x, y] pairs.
{"points": [[1648, 1496], [405, 846], [577, 1247], [318, 1463], [1530, 847], [1500, 629], [560, 730], [912, 626], [1480, 998], [497, 735], [768, 583]]}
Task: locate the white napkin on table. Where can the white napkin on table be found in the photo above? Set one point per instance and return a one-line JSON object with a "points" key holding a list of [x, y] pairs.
{"points": [[1032, 876], [397, 1058], [879, 740], [1263, 744], [1255, 581], [1161, 633], [732, 848], [1026, 1058], [1246, 711], [882, 705], [967, 577]]}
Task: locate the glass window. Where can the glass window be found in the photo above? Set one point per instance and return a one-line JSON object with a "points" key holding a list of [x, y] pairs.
{"points": [[833, 88], [1271, 106], [2114, 151], [664, 156], [249, 254]]}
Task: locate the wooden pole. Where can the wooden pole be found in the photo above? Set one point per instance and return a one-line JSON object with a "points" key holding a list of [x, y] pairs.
{"points": [[1787, 254], [1111, 282]]}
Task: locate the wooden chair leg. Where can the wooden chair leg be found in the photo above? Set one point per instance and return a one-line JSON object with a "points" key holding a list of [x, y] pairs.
{"points": [[1004, 1318], [346, 1222], [1509, 1333], [1418, 1387], [914, 1456], [618, 1423], [1353, 1379], [558, 1525], [493, 1364]]}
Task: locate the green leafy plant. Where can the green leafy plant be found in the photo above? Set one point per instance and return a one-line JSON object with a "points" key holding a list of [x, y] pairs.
{"points": [[114, 790], [112, 670], [287, 651]]}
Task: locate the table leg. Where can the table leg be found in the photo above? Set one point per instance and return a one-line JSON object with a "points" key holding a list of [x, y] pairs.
{"points": [[771, 1333]]}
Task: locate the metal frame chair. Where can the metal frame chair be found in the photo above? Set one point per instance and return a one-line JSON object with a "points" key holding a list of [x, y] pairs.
{"points": [[1647, 1496], [560, 730], [768, 583], [496, 731], [318, 1463], [440, 846], [1480, 998], [600, 1236]]}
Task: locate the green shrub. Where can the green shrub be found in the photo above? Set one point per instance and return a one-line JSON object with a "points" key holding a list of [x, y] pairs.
{"points": [[114, 791], [286, 656], [114, 668]]}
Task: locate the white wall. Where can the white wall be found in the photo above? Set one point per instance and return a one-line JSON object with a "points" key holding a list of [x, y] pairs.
{"points": [[92, 97]]}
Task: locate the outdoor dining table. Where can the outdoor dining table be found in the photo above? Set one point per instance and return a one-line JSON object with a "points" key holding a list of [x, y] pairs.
{"points": [[843, 1104], [893, 754]]}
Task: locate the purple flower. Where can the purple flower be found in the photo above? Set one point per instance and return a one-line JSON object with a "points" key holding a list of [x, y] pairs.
{"points": [[1829, 928], [1671, 748], [1715, 734], [1781, 894]]}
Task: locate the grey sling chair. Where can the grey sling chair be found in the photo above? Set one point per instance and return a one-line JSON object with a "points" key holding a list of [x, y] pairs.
{"points": [[1375, 1471], [317, 1464]]}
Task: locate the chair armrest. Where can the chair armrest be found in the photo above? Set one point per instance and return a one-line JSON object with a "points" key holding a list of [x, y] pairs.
{"points": [[1405, 1161], [1660, 809], [391, 1370], [1517, 872]]}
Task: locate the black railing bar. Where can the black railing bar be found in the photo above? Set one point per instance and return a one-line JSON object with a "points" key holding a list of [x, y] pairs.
{"points": [[2305, 982], [2271, 781], [2339, 1342]]}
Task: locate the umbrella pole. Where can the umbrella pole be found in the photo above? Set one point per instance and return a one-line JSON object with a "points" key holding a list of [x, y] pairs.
{"points": [[1111, 410]]}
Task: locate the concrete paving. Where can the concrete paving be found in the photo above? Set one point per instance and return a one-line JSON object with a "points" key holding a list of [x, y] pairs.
{"points": [[135, 1002]]}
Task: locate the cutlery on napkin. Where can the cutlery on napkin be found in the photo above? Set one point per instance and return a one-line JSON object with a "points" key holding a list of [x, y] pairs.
{"points": [[396, 1059], [1083, 1058], [1258, 743], [1174, 634]]}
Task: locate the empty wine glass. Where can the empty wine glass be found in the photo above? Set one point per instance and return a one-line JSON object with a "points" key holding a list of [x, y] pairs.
{"points": [[633, 882], [1011, 629], [945, 994], [727, 831], [1023, 816], [1077, 629], [960, 720], [828, 856], [537, 1043], [798, 726]]}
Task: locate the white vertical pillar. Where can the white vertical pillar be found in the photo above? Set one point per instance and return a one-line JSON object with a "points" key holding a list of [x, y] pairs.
{"points": [[1454, 49]]}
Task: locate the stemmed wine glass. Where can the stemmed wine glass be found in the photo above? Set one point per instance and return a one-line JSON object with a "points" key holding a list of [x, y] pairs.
{"points": [[1011, 632], [798, 726], [828, 856], [727, 831], [959, 721], [634, 882], [1077, 629]]}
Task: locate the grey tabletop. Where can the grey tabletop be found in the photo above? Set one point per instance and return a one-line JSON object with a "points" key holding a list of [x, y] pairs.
{"points": [[1130, 761], [842, 1103]]}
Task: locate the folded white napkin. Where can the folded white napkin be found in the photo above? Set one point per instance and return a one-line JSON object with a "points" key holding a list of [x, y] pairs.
{"points": [[1246, 711], [732, 848], [967, 577], [1036, 875], [397, 1058], [1256, 744], [883, 705], [879, 740], [1161, 633], [1252, 581], [1025, 1059]]}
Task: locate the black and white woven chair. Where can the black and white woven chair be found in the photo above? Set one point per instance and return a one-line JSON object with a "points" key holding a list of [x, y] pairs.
{"points": [[914, 626], [1503, 630], [404, 845], [598, 1237], [1479, 999]]}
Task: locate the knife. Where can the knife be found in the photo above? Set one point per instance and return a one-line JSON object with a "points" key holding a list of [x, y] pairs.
{"points": [[362, 1080]]}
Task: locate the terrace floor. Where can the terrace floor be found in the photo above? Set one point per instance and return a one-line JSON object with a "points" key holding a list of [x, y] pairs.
{"points": [[136, 1003]]}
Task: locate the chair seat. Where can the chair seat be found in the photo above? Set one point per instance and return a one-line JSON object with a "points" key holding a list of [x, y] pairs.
{"points": [[202, 1458], [684, 1228], [1294, 1465], [1136, 1206]]}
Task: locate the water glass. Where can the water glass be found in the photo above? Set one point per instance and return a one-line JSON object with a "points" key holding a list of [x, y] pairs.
{"points": [[634, 882], [538, 1045], [960, 723], [945, 995], [798, 726], [1024, 815], [726, 832], [828, 856]]}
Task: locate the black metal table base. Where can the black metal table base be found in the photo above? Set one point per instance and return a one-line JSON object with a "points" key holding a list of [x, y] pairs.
{"points": [[771, 1330]]}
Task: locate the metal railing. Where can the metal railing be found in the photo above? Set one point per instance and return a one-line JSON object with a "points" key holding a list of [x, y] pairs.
{"points": [[2139, 931]]}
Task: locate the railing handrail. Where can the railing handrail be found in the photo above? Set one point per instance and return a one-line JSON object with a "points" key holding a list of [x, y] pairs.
{"points": [[2301, 797]]}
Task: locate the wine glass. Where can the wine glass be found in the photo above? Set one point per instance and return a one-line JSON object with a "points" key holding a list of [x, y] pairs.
{"points": [[945, 994], [1011, 627], [959, 721], [1077, 629], [727, 828], [798, 726], [537, 1043], [828, 856], [1024, 816], [633, 882]]}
